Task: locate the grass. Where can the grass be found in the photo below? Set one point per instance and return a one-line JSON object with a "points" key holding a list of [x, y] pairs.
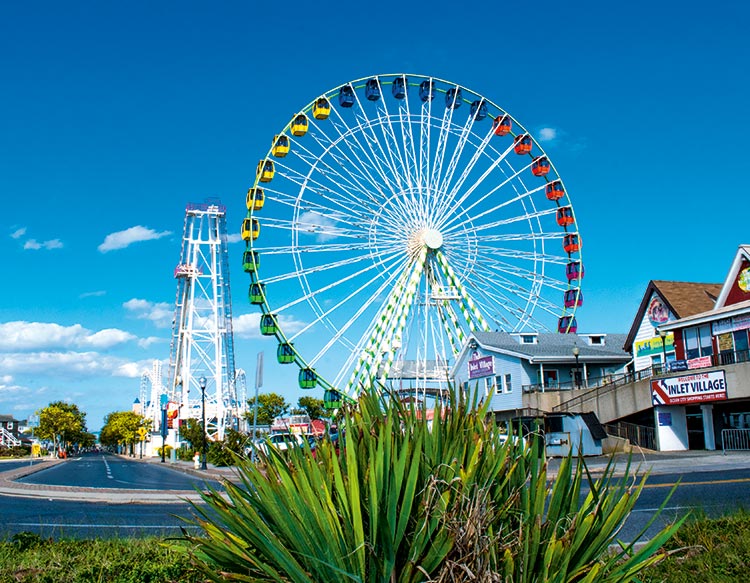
{"points": [[28, 558], [715, 550]]}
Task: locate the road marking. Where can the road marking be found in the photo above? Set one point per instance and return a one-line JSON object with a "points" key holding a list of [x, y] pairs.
{"points": [[106, 465], [701, 483], [66, 525]]}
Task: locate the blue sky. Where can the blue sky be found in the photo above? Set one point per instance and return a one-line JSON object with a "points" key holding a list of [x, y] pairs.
{"points": [[115, 116]]}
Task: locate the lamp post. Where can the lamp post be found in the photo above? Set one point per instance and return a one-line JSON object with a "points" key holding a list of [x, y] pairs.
{"points": [[576, 352], [202, 384], [663, 335]]}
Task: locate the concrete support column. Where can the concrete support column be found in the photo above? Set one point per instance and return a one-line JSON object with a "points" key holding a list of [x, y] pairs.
{"points": [[708, 426]]}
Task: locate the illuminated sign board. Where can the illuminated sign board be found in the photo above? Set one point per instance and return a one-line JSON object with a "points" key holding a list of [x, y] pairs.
{"points": [[687, 389]]}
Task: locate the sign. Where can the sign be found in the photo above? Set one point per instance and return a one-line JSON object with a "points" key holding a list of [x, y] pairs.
{"points": [[142, 431], [692, 388], [677, 365], [743, 279], [173, 410], [652, 346], [481, 367], [657, 312], [665, 419], [700, 362]]}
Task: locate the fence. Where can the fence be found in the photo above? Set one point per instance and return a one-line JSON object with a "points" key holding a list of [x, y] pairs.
{"points": [[639, 435], [735, 439]]}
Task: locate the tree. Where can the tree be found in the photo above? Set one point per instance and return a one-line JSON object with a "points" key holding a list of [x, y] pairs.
{"points": [[192, 432], [270, 406], [312, 406], [121, 428], [62, 423]]}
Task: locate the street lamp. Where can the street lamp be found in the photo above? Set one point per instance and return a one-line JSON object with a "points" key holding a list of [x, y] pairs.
{"points": [[576, 352], [663, 334], [202, 384]]}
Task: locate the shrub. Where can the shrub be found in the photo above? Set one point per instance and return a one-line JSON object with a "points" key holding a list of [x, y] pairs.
{"points": [[406, 500]]}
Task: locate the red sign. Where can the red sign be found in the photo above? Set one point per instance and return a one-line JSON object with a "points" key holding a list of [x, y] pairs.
{"points": [[693, 388]]}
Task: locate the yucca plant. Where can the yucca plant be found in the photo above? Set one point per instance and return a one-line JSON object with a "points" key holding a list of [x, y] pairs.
{"points": [[407, 500]]}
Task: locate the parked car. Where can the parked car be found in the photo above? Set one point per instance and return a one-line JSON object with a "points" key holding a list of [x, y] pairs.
{"points": [[281, 441]]}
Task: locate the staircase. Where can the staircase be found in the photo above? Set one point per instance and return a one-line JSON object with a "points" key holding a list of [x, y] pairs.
{"points": [[7, 439]]}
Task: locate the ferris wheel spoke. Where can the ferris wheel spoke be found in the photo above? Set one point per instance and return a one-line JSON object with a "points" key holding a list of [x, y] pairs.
{"points": [[440, 150], [458, 151], [480, 200]]}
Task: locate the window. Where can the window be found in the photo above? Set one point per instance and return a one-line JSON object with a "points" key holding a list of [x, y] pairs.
{"points": [[10, 425], [596, 340], [507, 385], [489, 383], [499, 385], [528, 339], [697, 342]]}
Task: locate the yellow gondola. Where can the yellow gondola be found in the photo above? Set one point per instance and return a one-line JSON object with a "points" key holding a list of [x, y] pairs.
{"points": [[255, 199], [265, 170], [321, 108], [280, 146], [250, 229], [299, 125]]}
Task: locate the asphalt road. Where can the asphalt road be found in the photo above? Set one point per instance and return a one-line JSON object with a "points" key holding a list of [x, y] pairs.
{"points": [[59, 519], [109, 471]]}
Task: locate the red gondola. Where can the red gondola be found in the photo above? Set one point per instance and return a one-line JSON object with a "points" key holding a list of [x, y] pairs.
{"points": [[565, 216], [540, 166], [574, 270], [523, 144], [573, 298], [567, 325], [571, 243], [555, 190], [502, 125]]}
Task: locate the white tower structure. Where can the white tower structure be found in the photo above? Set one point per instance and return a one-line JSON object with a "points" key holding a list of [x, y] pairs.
{"points": [[150, 400], [202, 377]]}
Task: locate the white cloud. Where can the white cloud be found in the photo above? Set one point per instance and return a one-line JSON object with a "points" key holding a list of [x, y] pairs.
{"points": [[60, 364], [51, 244], [31, 336], [146, 342], [323, 227], [234, 238], [547, 134], [18, 233], [93, 294], [122, 239], [160, 313]]}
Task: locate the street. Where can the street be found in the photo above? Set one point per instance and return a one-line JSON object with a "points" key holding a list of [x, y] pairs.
{"points": [[110, 471]]}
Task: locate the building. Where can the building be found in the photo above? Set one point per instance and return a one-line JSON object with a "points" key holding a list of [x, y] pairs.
{"points": [[663, 302], [525, 375], [9, 436], [702, 399]]}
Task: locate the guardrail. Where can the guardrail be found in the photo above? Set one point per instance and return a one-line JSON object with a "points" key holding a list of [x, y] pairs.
{"points": [[613, 383], [640, 435], [7, 439], [735, 439]]}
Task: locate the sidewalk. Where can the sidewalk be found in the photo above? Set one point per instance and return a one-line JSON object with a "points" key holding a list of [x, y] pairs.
{"points": [[653, 462]]}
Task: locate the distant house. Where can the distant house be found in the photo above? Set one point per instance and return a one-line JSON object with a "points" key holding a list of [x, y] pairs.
{"points": [[9, 435]]}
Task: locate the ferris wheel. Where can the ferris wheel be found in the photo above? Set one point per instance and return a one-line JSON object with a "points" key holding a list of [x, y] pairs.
{"points": [[392, 217]]}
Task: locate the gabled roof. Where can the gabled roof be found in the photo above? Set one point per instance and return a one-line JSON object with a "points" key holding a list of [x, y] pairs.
{"points": [[742, 256], [683, 298], [553, 347]]}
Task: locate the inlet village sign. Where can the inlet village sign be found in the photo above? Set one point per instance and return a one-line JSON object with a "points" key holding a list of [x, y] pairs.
{"points": [[688, 389]]}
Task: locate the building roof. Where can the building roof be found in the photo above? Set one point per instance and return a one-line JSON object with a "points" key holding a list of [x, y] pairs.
{"points": [[708, 316], [683, 298], [553, 347]]}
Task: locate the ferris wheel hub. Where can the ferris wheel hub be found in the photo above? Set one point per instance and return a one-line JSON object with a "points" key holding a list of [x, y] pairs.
{"points": [[432, 238]]}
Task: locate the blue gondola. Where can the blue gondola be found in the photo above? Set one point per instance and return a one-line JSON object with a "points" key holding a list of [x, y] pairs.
{"points": [[427, 90], [479, 110], [372, 90], [453, 98], [346, 96], [574, 270], [573, 298], [399, 87], [567, 325]]}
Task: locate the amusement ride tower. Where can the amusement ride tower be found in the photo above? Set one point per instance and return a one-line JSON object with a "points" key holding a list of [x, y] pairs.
{"points": [[202, 375]]}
